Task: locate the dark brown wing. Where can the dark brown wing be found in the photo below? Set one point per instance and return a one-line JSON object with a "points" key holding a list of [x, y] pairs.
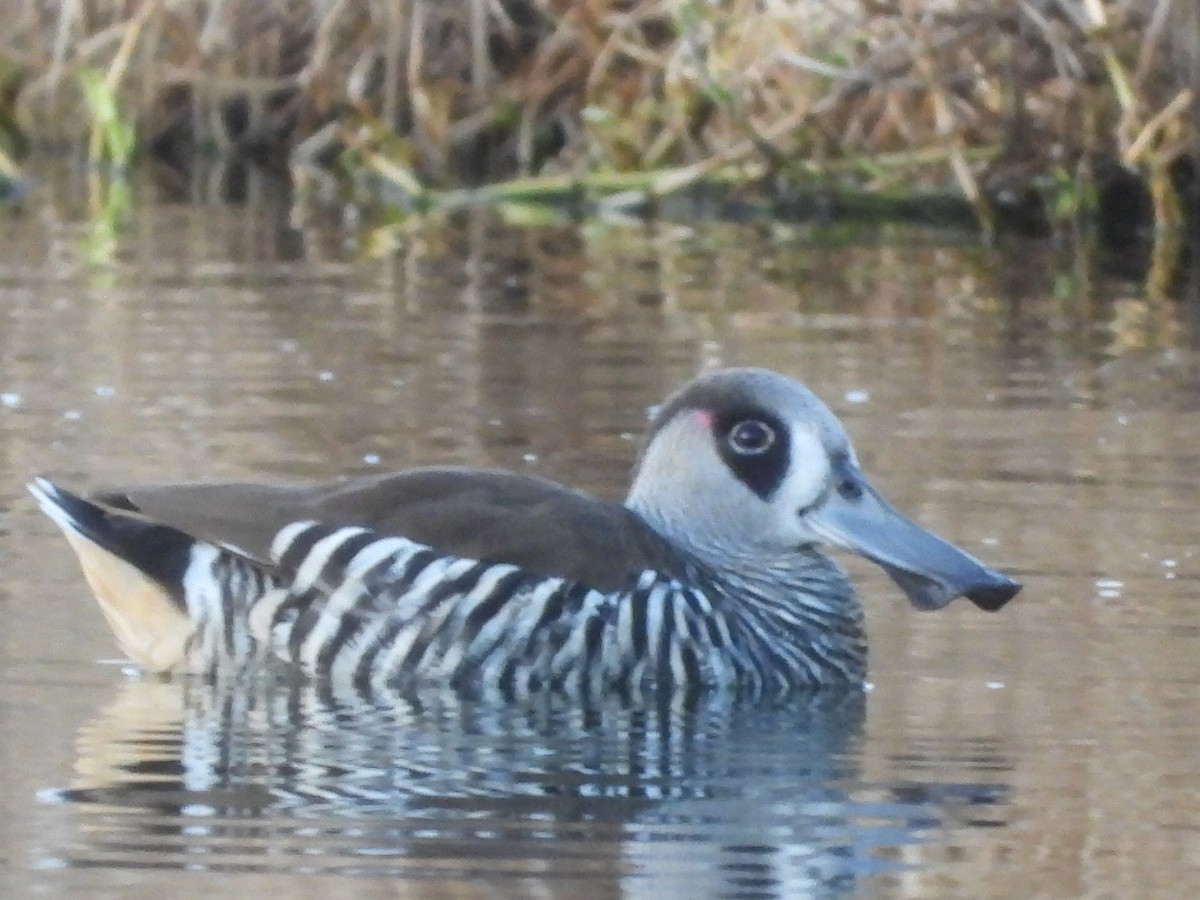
{"points": [[493, 516]]}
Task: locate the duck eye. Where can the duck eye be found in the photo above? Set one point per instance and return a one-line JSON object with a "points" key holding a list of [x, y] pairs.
{"points": [[751, 437]]}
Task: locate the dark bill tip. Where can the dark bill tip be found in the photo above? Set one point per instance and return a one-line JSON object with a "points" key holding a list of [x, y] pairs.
{"points": [[995, 594], [930, 570], [990, 590]]}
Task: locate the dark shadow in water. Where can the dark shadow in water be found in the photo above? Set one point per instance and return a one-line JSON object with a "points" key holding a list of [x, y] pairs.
{"points": [[756, 799]]}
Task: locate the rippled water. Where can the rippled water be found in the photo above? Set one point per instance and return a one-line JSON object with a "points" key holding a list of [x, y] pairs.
{"points": [[1042, 414]]}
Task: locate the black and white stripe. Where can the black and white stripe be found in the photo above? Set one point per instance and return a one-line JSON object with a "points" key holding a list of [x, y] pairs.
{"points": [[382, 612], [216, 588]]}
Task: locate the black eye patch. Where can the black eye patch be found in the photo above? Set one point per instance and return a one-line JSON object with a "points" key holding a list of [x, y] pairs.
{"points": [[754, 444]]}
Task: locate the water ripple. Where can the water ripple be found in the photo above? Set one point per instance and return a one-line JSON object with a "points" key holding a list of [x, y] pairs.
{"points": [[279, 777]]}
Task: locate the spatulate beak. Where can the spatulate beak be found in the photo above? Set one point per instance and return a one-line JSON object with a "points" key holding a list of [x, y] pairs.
{"points": [[930, 570]]}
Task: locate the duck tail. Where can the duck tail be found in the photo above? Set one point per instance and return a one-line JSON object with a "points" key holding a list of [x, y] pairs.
{"points": [[136, 569]]}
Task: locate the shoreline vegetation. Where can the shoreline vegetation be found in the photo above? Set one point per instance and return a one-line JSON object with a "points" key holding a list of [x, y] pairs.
{"points": [[1028, 114]]}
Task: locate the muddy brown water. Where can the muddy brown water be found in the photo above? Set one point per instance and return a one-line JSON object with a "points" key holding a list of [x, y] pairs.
{"points": [[1043, 414]]}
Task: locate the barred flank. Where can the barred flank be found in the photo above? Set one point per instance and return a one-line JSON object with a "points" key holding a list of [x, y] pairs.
{"points": [[381, 613], [389, 612]]}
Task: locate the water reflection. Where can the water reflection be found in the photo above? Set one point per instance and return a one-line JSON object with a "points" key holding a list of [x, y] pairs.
{"points": [[1039, 408], [754, 799]]}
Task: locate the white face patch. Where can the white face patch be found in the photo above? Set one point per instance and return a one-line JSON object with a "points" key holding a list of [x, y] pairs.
{"points": [[809, 472], [806, 483]]}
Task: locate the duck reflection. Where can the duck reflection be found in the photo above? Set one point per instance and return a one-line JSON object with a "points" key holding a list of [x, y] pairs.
{"points": [[617, 799]]}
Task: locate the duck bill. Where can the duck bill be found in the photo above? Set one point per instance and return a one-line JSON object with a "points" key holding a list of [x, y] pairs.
{"points": [[931, 571]]}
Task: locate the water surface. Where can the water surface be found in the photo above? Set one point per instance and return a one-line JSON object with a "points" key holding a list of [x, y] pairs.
{"points": [[1041, 413]]}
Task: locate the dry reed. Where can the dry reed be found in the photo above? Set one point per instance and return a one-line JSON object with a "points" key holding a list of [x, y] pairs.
{"points": [[1004, 98]]}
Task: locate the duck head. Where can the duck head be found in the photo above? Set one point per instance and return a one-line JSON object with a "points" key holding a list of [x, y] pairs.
{"points": [[750, 463]]}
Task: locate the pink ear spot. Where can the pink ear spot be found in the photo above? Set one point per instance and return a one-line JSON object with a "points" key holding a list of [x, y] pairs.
{"points": [[705, 417]]}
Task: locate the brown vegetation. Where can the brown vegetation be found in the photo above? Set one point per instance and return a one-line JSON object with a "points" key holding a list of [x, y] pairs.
{"points": [[1005, 98]]}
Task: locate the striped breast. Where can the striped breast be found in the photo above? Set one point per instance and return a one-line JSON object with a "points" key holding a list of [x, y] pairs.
{"points": [[387, 612]]}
